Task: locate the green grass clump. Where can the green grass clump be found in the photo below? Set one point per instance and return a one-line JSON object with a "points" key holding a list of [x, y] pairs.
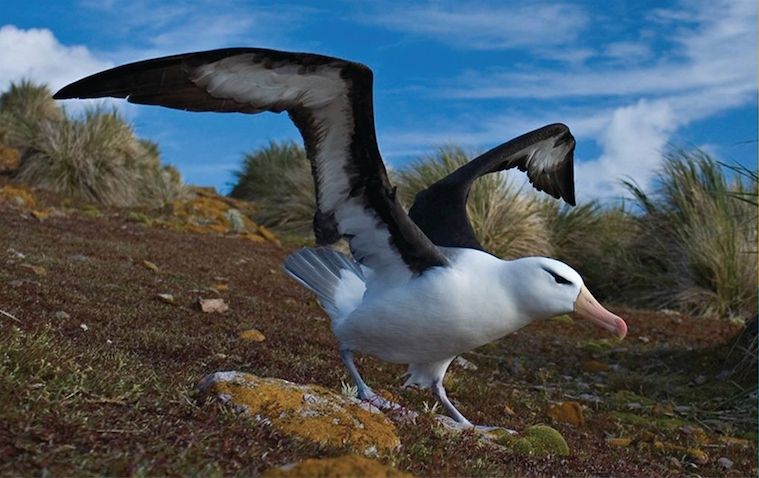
{"points": [[278, 179], [96, 157], [538, 441], [506, 219], [697, 240]]}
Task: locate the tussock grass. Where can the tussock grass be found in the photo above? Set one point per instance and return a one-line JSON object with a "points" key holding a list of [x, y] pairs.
{"points": [[697, 242], [24, 107], [278, 179], [507, 220], [96, 157]]}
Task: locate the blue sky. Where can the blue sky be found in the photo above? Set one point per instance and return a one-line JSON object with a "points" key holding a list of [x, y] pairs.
{"points": [[629, 78]]}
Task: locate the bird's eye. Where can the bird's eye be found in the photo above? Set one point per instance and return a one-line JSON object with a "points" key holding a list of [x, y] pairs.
{"points": [[559, 279]]}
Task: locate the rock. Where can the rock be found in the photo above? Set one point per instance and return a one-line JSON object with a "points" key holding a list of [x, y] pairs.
{"points": [[734, 441], [38, 270], [84, 327], [567, 412], [167, 298], [340, 467], [41, 214], [594, 366], [539, 440], [619, 442], [17, 195], [633, 406], [61, 315], [236, 221], [309, 412], [725, 463], [697, 456], [213, 305], [252, 334], [590, 397], [464, 363]]}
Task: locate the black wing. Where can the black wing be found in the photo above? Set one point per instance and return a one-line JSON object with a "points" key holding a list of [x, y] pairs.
{"points": [[328, 99], [546, 154]]}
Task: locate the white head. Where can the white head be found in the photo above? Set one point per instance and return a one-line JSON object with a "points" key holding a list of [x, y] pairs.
{"points": [[546, 287]]}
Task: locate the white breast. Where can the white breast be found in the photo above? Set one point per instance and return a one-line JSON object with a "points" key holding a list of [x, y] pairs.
{"points": [[444, 312]]}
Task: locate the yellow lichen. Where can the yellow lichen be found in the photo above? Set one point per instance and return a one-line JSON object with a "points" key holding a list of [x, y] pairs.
{"points": [[207, 212], [619, 442], [10, 159], [311, 412], [17, 195], [353, 466], [41, 214], [567, 412], [252, 334]]}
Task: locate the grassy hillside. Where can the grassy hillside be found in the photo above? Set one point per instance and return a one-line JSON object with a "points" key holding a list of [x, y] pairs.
{"points": [[98, 372]]}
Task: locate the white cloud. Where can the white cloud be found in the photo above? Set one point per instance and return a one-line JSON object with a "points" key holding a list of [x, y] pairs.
{"points": [[155, 28], [631, 108], [539, 26], [37, 55], [632, 140]]}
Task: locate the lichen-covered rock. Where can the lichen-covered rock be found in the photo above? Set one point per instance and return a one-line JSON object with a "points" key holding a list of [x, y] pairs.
{"points": [[348, 466], [539, 440], [207, 212], [309, 412], [18, 196], [253, 335]]}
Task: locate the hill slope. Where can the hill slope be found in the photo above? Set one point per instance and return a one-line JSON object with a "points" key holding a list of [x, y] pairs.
{"points": [[98, 372]]}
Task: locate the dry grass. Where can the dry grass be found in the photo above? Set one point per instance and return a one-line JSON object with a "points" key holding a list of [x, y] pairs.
{"points": [[278, 179], [696, 247], [507, 220], [96, 157]]}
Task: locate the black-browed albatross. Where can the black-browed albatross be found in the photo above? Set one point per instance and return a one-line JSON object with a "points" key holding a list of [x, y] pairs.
{"points": [[420, 289]]}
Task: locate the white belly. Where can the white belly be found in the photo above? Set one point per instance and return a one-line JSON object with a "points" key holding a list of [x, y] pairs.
{"points": [[442, 313]]}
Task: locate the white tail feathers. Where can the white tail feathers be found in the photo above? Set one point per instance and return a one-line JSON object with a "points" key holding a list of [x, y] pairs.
{"points": [[336, 279]]}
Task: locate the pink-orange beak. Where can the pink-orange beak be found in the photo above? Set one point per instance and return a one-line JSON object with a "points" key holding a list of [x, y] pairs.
{"points": [[587, 307]]}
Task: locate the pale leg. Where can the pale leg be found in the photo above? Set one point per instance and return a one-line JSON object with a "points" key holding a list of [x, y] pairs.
{"points": [[439, 391], [364, 392]]}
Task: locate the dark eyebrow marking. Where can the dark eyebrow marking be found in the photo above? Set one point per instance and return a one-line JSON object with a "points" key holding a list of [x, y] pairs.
{"points": [[559, 279]]}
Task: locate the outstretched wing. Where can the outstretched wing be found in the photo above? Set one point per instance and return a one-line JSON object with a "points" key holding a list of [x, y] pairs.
{"points": [[328, 99], [546, 154]]}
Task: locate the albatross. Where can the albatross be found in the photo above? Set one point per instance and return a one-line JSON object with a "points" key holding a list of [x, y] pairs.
{"points": [[419, 288]]}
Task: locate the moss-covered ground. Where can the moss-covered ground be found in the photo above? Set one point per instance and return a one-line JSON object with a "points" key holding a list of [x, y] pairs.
{"points": [[97, 372]]}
